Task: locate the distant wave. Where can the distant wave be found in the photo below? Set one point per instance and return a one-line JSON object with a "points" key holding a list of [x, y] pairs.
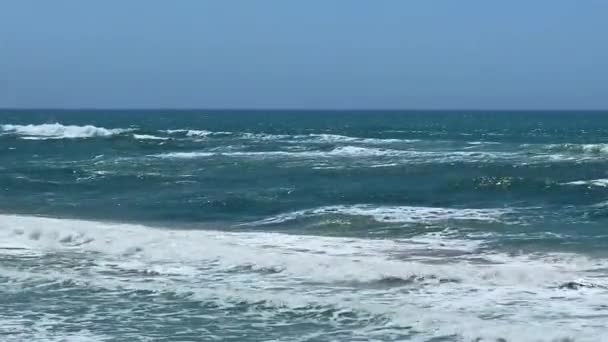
{"points": [[570, 148], [189, 132], [194, 132], [337, 152], [351, 152], [324, 138], [306, 138], [148, 137], [265, 136], [59, 131], [591, 182], [184, 155], [335, 138], [482, 143], [395, 214]]}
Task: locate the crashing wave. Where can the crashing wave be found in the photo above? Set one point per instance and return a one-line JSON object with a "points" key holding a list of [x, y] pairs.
{"points": [[571, 148], [593, 182], [307, 277], [59, 131], [394, 214], [147, 137], [335, 138], [194, 132], [350, 152]]}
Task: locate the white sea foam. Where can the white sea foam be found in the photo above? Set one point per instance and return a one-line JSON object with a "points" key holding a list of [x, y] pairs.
{"points": [[16, 329], [592, 149], [198, 133], [592, 182], [335, 138], [174, 131], [184, 155], [404, 214], [298, 279], [194, 132], [483, 143], [301, 138], [353, 152], [265, 136], [325, 138], [59, 131], [148, 137], [344, 151], [356, 259]]}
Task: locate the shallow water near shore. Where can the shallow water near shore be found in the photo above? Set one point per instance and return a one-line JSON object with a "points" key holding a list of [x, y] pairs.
{"points": [[303, 226]]}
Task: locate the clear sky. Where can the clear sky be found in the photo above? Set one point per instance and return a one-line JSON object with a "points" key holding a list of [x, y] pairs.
{"points": [[339, 54]]}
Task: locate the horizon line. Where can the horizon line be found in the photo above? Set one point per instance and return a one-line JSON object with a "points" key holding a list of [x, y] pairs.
{"points": [[301, 109]]}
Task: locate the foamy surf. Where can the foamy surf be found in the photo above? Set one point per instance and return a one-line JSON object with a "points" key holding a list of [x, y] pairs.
{"points": [[313, 138], [195, 133], [350, 288], [304, 227], [148, 137], [59, 131], [353, 153], [592, 182], [394, 214]]}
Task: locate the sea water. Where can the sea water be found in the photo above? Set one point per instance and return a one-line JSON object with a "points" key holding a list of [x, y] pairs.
{"points": [[303, 226]]}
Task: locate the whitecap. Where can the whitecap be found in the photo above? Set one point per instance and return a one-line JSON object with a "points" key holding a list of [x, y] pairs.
{"points": [[349, 152], [198, 133], [148, 137], [335, 138], [591, 149], [395, 214], [201, 133], [592, 182], [184, 155], [59, 131]]}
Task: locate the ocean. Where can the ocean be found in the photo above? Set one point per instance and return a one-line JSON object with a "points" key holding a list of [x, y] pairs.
{"points": [[159, 225]]}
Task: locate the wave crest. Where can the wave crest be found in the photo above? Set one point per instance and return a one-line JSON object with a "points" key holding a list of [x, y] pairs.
{"points": [[148, 137], [393, 214], [572, 148], [59, 131], [592, 182]]}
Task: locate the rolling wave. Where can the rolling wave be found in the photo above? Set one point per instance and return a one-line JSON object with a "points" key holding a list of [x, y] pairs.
{"points": [[59, 131], [192, 132], [351, 152], [148, 137], [395, 214], [592, 182], [366, 288], [335, 138], [591, 149], [325, 138]]}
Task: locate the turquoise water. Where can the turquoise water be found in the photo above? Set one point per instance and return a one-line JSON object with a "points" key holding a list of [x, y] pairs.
{"points": [[303, 226]]}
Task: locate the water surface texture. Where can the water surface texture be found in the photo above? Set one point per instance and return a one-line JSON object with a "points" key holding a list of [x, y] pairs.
{"points": [[303, 226]]}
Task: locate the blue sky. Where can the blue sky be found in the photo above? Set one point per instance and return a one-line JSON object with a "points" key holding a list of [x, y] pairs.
{"points": [[339, 54]]}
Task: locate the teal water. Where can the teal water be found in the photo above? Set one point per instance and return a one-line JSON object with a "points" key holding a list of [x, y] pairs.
{"points": [[303, 226]]}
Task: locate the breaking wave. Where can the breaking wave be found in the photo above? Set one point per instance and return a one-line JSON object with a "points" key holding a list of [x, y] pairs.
{"points": [[192, 132], [593, 182], [351, 152], [366, 288], [59, 131], [148, 137], [402, 214], [591, 149]]}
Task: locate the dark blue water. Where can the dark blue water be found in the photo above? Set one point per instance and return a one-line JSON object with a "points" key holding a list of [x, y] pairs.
{"points": [[303, 226]]}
